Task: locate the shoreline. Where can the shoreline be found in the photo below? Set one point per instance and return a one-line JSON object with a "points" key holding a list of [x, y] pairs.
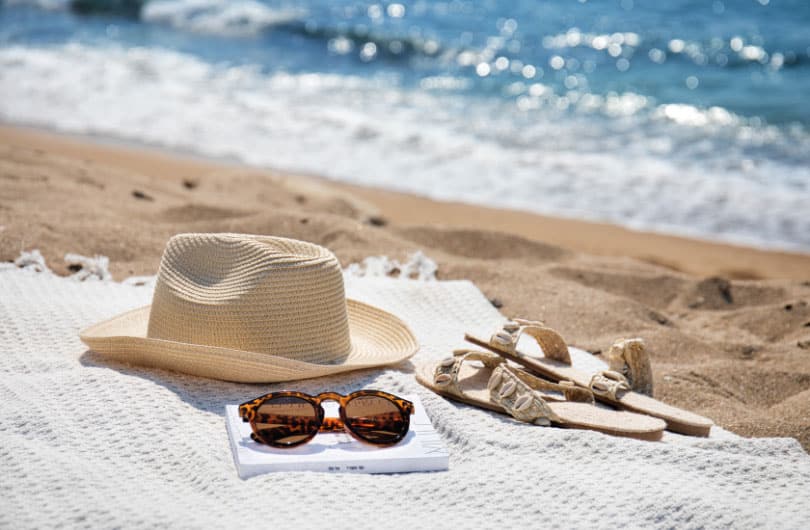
{"points": [[696, 257]]}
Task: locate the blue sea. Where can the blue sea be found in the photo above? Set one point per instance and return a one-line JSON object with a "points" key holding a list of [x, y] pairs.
{"points": [[684, 117]]}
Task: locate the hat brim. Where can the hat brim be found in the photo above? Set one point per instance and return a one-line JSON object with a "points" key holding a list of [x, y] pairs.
{"points": [[378, 338]]}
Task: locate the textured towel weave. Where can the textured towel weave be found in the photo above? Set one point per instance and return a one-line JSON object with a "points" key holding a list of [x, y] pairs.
{"points": [[85, 442]]}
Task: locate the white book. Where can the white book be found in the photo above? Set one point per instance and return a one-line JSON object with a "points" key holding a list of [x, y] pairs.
{"points": [[421, 450]]}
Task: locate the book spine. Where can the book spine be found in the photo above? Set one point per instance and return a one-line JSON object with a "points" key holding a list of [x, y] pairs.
{"points": [[387, 465]]}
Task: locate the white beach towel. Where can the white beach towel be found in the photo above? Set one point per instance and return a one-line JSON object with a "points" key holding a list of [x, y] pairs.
{"points": [[85, 442]]}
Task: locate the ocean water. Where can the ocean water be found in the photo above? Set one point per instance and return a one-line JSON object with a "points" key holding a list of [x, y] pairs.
{"points": [[685, 117]]}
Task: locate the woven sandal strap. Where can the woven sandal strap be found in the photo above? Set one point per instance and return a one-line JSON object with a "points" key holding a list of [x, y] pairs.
{"points": [[609, 384], [445, 375], [550, 341], [568, 389], [630, 358], [488, 358], [518, 398]]}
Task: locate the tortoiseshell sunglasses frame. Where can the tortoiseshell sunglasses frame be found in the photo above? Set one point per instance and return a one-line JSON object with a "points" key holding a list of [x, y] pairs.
{"points": [[249, 409]]}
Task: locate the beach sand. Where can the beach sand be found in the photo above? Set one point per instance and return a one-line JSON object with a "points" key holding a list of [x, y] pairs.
{"points": [[728, 327]]}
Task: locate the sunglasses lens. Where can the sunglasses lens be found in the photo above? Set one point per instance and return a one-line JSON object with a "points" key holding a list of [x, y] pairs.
{"points": [[376, 419], [286, 421]]}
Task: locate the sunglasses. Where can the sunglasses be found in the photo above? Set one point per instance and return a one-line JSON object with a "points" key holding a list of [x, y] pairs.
{"points": [[287, 418]]}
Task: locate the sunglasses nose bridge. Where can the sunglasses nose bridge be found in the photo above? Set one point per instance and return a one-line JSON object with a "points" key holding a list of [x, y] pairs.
{"points": [[331, 424], [329, 396]]}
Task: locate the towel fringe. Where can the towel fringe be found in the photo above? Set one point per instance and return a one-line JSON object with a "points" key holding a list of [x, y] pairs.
{"points": [[417, 267]]}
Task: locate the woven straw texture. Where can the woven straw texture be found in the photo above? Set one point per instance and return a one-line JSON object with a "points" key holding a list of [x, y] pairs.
{"points": [[269, 295], [251, 309], [85, 442]]}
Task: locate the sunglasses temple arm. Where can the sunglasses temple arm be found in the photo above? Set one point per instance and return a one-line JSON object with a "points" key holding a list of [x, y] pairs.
{"points": [[244, 412]]}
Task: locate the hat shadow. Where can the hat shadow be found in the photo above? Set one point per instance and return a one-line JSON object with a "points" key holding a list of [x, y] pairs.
{"points": [[211, 395]]}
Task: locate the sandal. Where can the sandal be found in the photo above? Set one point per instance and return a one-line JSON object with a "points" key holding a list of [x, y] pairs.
{"points": [[510, 390], [627, 383]]}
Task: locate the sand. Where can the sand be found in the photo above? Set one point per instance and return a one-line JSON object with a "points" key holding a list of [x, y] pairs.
{"points": [[728, 327]]}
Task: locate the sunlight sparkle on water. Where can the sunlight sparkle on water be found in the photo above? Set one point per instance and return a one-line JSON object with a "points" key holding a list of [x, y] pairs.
{"points": [[374, 11], [676, 45], [483, 69], [501, 63], [396, 10], [752, 53], [341, 45], [368, 52], [657, 56]]}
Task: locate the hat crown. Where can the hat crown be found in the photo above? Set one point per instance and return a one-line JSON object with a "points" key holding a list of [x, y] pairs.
{"points": [[254, 293]]}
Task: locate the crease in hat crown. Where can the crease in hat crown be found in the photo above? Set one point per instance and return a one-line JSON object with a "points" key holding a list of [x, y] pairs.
{"points": [[262, 294]]}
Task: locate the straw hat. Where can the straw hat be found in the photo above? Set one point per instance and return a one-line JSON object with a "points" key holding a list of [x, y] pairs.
{"points": [[252, 309]]}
